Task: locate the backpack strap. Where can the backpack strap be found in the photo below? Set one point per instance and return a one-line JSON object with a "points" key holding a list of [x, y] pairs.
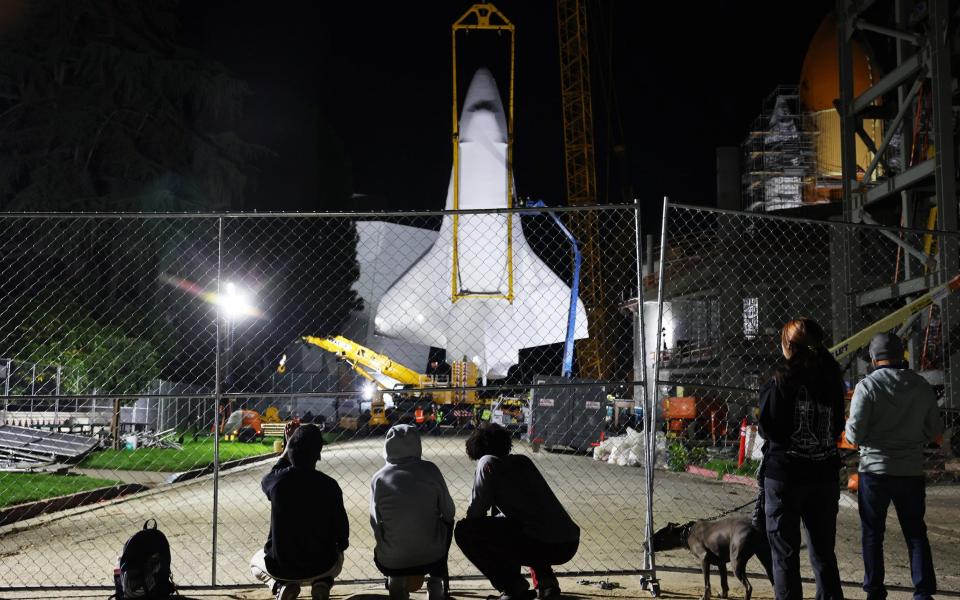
{"points": [[146, 524]]}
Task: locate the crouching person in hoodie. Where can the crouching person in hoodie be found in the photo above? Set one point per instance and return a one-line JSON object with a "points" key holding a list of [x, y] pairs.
{"points": [[412, 514], [308, 524], [529, 527]]}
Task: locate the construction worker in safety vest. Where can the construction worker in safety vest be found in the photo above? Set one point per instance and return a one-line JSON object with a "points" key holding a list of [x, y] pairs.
{"points": [[486, 414], [419, 417]]}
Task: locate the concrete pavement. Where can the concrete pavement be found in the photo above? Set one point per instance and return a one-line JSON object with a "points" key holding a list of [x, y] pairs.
{"points": [[79, 547], [681, 586]]}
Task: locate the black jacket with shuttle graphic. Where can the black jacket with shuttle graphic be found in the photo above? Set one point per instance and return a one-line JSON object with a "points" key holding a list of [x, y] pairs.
{"points": [[801, 419]]}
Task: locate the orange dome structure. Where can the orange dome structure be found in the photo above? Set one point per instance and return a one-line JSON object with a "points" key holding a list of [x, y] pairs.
{"points": [[820, 86], [820, 74]]}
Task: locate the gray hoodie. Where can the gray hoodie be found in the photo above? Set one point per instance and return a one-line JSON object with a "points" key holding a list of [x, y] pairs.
{"points": [[411, 511], [893, 415]]}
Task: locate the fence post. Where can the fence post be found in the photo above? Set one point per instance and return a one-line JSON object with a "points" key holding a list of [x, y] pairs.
{"points": [[640, 360], [56, 402], [650, 422], [6, 390], [218, 393], [161, 408], [33, 385]]}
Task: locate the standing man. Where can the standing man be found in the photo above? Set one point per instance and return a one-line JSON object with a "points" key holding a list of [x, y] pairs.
{"points": [[893, 415]]}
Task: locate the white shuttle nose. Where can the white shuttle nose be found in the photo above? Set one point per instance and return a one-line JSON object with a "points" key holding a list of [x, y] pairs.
{"points": [[482, 116]]}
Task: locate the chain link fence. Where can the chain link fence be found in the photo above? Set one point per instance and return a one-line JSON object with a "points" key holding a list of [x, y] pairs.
{"points": [[728, 282], [153, 360]]}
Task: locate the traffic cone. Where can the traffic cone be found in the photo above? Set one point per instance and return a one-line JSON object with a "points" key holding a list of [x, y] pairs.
{"points": [[741, 455]]}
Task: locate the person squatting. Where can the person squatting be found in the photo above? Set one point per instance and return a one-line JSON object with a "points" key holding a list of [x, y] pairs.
{"points": [[514, 519]]}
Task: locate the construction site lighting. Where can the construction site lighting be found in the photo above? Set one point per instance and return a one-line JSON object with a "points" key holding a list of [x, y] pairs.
{"points": [[236, 303]]}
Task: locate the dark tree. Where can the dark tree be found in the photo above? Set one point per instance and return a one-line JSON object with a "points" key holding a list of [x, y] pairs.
{"points": [[102, 109]]}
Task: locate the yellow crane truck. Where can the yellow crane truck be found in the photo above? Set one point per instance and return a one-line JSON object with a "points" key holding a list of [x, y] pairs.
{"points": [[369, 364]]}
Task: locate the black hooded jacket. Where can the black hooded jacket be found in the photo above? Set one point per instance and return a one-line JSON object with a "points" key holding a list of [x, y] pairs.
{"points": [[801, 419], [308, 523]]}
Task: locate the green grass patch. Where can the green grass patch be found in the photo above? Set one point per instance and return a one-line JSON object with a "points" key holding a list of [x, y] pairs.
{"points": [[679, 456], [17, 488], [724, 466], [195, 454]]}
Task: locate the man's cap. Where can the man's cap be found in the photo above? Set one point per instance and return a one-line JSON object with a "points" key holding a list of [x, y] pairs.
{"points": [[886, 346]]}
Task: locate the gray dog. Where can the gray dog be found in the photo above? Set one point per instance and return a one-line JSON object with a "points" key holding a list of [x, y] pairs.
{"points": [[733, 539]]}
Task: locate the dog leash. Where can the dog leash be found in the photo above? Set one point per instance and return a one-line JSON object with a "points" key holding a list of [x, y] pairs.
{"points": [[843, 456], [732, 510]]}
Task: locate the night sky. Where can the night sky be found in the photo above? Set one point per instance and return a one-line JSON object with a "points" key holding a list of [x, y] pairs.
{"points": [[365, 87]]}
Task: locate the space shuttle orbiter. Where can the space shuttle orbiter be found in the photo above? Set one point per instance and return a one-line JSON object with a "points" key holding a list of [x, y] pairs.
{"points": [[480, 291]]}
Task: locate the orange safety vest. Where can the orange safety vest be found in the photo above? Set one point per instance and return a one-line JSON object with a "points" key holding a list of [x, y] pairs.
{"points": [[418, 415]]}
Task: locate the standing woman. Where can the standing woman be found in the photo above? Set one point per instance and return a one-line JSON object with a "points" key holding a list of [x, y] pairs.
{"points": [[801, 417]]}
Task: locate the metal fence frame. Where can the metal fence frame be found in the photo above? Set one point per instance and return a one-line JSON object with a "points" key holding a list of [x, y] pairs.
{"points": [[646, 378]]}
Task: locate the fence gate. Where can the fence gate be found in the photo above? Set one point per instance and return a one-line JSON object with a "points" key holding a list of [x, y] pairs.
{"points": [[726, 283]]}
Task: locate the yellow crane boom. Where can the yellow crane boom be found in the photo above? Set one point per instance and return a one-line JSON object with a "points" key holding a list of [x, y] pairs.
{"points": [[860, 339], [581, 180], [368, 363], [361, 356]]}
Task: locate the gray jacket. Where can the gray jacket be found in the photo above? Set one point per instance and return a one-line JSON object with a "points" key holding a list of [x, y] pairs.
{"points": [[411, 510], [893, 415]]}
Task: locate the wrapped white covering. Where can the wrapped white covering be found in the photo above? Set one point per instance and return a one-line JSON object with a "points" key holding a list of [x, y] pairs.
{"points": [[487, 330]]}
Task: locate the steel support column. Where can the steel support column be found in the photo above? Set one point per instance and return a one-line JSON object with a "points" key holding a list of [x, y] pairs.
{"points": [[922, 66], [842, 240], [945, 174]]}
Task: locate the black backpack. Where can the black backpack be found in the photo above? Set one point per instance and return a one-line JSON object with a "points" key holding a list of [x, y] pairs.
{"points": [[144, 566]]}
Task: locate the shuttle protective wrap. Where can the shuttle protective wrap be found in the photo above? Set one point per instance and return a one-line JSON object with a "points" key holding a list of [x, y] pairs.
{"points": [[480, 322]]}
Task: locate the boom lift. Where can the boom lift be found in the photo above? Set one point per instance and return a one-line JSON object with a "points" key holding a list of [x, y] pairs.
{"points": [[897, 318]]}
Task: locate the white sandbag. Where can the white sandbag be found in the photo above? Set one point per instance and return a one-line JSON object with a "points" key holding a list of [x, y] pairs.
{"points": [[660, 458], [623, 450], [602, 450]]}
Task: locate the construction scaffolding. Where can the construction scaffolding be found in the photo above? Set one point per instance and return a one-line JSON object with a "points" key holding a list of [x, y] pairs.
{"points": [[779, 154]]}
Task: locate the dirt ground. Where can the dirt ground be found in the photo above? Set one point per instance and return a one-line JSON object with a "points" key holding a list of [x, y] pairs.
{"points": [[79, 547]]}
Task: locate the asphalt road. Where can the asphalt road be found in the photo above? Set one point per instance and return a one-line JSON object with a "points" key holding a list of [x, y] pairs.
{"points": [[80, 547]]}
